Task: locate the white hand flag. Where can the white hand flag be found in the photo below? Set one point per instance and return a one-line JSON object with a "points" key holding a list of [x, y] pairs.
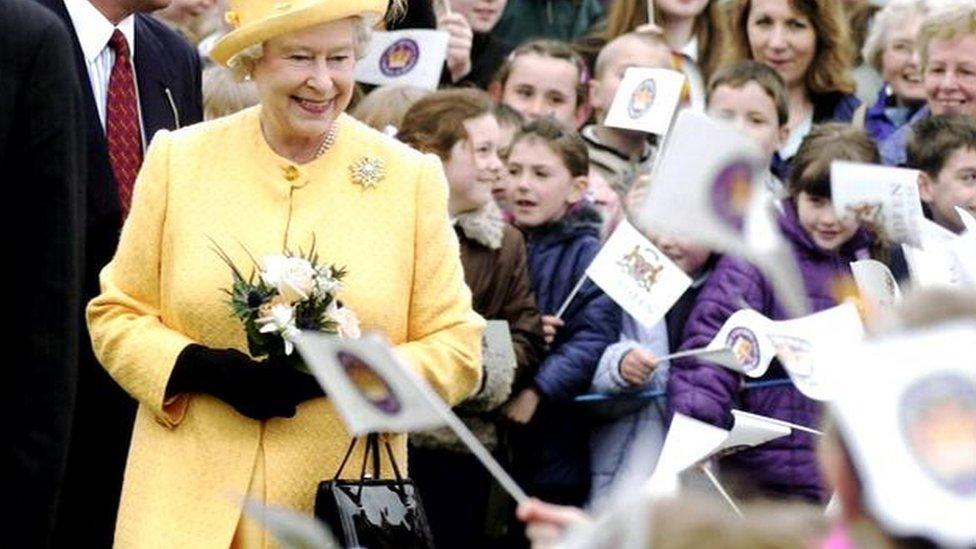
{"points": [[906, 408], [744, 336], [882, 197], [878, 288], [413, 57], [804, 347], [724, 204], [375, 392], [638, 276], [646, 99]]}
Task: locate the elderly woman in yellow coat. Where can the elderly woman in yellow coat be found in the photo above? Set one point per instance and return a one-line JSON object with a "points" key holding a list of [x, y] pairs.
{"points": [[214, 424]]}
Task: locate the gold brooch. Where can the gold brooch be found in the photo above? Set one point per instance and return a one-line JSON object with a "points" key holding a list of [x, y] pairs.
{"points": [[367, 172], [232, 19]]}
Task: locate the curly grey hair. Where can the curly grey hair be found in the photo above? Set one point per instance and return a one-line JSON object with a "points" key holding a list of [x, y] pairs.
{"points": [[243, 62]]}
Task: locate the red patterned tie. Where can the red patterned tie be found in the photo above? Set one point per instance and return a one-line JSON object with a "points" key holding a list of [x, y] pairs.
{"points": [[122, 130]]}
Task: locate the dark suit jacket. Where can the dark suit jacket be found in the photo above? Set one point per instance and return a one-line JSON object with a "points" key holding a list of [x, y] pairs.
{"points": [[168, 76], [41, 166]]}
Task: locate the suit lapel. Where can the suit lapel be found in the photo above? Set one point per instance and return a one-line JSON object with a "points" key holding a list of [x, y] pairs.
{"points": [[154, 80]]}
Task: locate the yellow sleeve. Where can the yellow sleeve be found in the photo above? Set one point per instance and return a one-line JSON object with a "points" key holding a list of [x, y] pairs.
{"points": [[128, 335], [444, 332]]}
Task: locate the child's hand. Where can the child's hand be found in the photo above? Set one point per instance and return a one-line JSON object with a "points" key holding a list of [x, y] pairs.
{"points": [[637, 366], [547, 523], [521, 408], [458, 45], [549, 326]]}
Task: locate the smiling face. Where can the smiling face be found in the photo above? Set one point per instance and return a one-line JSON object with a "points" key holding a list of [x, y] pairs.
{"points": [[955, 185], [541, 86], [950, 75], [753, 112], [305, 80], [817, 217], [482, 15], [473, 168], [782, 38], [542, 186], [899, 62]]}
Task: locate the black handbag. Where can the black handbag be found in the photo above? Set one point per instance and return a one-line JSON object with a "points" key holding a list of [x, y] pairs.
{"points": [[372, 512]]}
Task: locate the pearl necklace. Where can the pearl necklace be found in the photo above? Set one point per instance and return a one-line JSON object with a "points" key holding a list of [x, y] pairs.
{"points": [[327, 143]]}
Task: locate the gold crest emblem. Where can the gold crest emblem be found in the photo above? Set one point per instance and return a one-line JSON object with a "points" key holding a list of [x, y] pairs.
{"points": [[367, 172]]}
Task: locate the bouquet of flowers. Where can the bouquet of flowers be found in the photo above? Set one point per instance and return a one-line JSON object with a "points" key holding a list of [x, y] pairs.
{"points": [[285, 294]]}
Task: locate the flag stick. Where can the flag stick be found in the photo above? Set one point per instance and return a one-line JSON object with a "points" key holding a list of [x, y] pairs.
{"points": [[797, 427], [721, 489], [650, 12], [569, 298], [482, 453], [689, 352]]}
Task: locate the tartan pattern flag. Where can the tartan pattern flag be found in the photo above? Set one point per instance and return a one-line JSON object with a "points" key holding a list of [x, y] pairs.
{"points": [[412, 57], [637, 275]]}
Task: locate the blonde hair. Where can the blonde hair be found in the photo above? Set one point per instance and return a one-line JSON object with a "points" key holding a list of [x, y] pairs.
{"points": [[957, 18], [830, 70], [223, 94], [892, 16], [603, 58], [386, 105], [626, 15]]}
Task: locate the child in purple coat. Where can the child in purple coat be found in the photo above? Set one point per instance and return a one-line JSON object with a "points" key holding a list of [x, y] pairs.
{"points": [[823, 245]]}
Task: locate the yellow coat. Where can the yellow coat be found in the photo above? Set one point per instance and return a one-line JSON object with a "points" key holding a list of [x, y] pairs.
{"points": [[191, 457]]}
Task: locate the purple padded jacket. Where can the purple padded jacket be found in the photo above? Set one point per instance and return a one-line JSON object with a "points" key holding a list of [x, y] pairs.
{"points": [[786, 467]]}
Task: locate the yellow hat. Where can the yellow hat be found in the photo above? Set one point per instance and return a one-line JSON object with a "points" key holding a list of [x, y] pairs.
{"points": [[255, 21]]}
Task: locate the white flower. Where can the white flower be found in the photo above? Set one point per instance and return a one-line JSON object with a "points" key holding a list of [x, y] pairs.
{"points": [[325, 282], [293, 277], [346, 320], [281, 320]]}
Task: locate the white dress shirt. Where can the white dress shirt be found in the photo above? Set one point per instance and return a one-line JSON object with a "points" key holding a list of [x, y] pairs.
{"points": [[94, 30]]}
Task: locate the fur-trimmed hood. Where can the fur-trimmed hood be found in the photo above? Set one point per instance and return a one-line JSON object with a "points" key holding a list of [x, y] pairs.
{"points": [[486, 226]]}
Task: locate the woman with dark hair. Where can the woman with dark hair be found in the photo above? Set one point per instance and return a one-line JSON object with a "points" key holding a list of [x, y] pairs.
{"points": [[808, 43]]}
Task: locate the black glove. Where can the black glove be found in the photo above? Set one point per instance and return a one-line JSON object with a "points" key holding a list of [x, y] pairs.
{"points": [[258, 390]]}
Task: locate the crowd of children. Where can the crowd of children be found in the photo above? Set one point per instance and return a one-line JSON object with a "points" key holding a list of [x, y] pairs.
{"points": [[537, 182]]}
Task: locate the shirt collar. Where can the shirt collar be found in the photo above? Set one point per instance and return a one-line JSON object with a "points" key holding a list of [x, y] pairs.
{"points": [[690, 50], [94, 29]]}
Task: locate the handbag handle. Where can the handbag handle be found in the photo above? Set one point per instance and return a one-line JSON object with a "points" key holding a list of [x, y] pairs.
{"points": [[372, 449]]}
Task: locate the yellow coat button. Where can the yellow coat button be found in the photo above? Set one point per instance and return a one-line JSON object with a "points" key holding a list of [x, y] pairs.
{"points": [[291, 173]]}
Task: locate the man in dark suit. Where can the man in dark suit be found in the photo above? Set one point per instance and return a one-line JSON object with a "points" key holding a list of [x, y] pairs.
{"points": [[41, 164], [137, 77]]}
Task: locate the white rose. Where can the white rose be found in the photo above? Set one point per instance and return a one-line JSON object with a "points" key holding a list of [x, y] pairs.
{"points": [[293, 277], [281, 320], [346, 320]]}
